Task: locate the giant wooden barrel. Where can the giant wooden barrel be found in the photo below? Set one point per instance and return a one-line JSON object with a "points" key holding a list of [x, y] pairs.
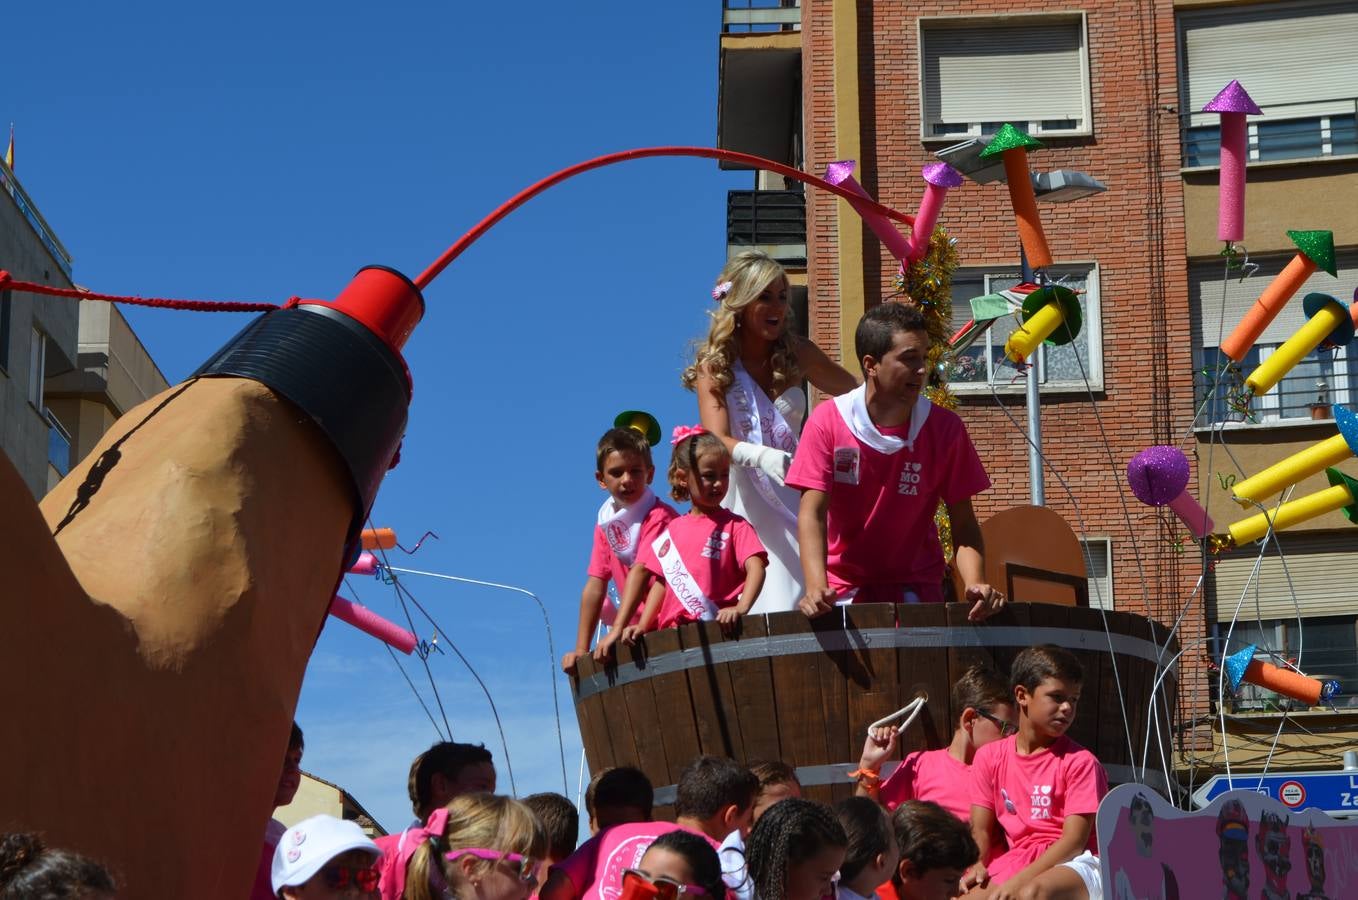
{"points": [[804, 691]]}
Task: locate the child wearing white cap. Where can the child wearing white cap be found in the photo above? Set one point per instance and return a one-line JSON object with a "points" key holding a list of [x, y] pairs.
{"points": [[323, 857]]}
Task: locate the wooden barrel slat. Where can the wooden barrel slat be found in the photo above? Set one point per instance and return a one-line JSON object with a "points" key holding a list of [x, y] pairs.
{"points": [[674, 707], [621, 731], [752, 686], [872, 690], [918, 669], [593, 723], [797, 698], [714, 708], [648, 731]]}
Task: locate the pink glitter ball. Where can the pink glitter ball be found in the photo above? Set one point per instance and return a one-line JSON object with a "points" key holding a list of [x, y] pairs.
{"points": [[1158, 474]]}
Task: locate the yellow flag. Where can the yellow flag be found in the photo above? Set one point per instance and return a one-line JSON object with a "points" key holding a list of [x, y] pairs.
{"points": [[9, 154]]}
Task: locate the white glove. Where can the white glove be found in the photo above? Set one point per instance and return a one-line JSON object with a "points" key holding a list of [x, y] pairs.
{"points": [[769, 460]]}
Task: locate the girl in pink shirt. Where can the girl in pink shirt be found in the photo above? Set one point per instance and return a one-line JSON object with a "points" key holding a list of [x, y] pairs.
{"points": [[710, 562]]}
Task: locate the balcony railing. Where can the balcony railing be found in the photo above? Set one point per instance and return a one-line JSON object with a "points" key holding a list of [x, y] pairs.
{"points": [[1294, 131], [774, 221], [58, 444], [759, 16], [26, 206]]}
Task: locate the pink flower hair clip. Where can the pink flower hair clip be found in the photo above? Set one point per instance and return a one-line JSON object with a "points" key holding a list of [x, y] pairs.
{"points": [[720, 291], [686, 431]]}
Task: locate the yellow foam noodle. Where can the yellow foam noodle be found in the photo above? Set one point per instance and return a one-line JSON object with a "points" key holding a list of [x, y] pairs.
{"points": [[1303, 464], [1306, 339], [1294, 511], [1029, 336]]}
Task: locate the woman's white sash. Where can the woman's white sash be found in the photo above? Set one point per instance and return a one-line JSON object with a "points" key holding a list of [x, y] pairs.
{"points": [[748, 409], [681, 580], [853, 408]]}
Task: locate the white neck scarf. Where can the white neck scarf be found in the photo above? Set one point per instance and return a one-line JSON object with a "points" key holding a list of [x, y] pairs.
{"points": [[749, 408], [621, 525], [853, 408], [681, 580]]}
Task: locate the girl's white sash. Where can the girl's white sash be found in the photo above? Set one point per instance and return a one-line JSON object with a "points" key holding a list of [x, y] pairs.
{"points": [[749, 408], [681, 580]]}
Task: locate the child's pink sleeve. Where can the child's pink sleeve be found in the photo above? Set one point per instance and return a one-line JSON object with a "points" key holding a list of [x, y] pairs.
{"points": [[599, 556], [746, 542], [899, 786], [966, 475], [1086, 783], [579, 866], [984, 772], [646, 557], [812, 465]]}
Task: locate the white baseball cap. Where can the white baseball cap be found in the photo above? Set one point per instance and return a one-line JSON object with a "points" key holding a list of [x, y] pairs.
{"points": [[307, 846]]}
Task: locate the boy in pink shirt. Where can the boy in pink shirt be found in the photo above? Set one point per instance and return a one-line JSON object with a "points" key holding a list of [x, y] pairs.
{"points": [[1039, 788], [872, 467], [629, 519], [942, 776], [715, 796]]}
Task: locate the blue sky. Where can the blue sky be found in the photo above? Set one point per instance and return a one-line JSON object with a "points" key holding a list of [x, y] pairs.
{"points": [[258, 151]]}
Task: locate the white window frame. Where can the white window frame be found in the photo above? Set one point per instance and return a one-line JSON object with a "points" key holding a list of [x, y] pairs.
{"points": [[1085, 128], [1092, 327], [37, 367], [1102, 596]]}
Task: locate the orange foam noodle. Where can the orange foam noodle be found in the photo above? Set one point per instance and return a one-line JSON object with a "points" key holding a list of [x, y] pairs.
{"points": [[378, 538], [1267, 307], [1283, 681], [1024, 203]]}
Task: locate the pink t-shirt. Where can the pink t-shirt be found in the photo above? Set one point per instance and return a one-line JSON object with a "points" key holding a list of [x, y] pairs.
{"points": [[880, 518], [604, 563], [1032, 795], [595, 868], [930, 775], [714, 549]]}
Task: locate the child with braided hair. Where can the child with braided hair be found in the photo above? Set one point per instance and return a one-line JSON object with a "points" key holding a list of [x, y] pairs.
{"points": [[795, 851], [710, 562]]}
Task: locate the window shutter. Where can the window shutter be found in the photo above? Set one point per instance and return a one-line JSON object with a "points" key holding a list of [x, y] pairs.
{"points": [[1290, 57], [1322, 566], [1206, 293], [1010, 72]]}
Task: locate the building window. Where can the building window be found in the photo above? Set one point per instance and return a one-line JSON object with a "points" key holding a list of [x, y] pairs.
{"points": [[1220, 300], [1062, 368], [1328, 648], [1098, 555], [37, 367], [978, 73], [1308, 110]]}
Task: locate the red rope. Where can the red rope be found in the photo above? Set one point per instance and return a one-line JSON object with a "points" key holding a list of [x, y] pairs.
{"points": [[7, 283], [532, 191]]}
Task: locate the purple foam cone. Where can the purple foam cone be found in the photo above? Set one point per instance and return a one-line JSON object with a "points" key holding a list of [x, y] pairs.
{"points": [[1233, 98], [1158, 474], [1235, 666], [940, 174], [837, 171]]}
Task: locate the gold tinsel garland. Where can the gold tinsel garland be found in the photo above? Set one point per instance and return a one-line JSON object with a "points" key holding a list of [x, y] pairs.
{"points": [[927, 283]]}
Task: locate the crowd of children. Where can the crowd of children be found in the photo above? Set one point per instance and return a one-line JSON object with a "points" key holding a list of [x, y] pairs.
{"points": [[1004, 811], [844, 513]]}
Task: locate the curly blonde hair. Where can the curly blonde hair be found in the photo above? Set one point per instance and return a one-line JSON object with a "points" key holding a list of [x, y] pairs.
{"points": [[749, 272], [487, 821]]}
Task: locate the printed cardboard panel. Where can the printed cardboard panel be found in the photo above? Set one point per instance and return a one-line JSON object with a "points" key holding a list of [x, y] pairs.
{"points": [[1243, 845]]}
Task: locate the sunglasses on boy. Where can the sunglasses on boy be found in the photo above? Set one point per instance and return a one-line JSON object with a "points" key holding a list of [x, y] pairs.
{"points": [[526, 867], [337, 878], [1006, 728], [637, 885]]}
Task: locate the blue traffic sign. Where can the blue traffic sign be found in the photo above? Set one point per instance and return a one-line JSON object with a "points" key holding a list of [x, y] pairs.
{"points": [[1335, 793]]}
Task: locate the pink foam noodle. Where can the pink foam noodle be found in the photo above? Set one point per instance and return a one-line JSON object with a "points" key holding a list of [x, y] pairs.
{"points": [[841, 174], [939, 178], [1191, 513], [365, 565], [1231, 194], [369, 622]]}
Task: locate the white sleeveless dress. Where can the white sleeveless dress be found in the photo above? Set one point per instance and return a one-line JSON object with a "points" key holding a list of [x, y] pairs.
{"points": [[771, 508]]}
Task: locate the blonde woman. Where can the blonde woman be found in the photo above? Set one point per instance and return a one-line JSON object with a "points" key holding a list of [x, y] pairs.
{"points": [[478, 847], [748, 377]]}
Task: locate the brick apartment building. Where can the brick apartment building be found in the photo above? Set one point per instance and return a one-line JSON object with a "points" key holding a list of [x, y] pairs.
{"points": [[1109, 88]]}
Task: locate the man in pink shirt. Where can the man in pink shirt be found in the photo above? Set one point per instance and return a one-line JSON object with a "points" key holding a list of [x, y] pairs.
{"points": [[942, 776], [1040, 789], [715, 797], [872, 467]]}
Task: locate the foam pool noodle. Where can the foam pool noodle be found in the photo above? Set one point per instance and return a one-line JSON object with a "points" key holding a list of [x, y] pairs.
{"points": [[369, 622], [366, 564], [939, 178], [1012, 146], [841, 173], [378, 538], [1342, 494], [1315, 249], [1233, 103], [1052, 314], [1302, 464], [1158, 476], [1241, 666], [1328, 323]]}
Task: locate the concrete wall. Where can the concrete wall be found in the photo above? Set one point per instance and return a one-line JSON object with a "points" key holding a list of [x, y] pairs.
{"points": [[23, 430]]}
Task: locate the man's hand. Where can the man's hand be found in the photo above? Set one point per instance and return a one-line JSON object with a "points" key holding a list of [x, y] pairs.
{"points": [[818, 602], [986, 602]]}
